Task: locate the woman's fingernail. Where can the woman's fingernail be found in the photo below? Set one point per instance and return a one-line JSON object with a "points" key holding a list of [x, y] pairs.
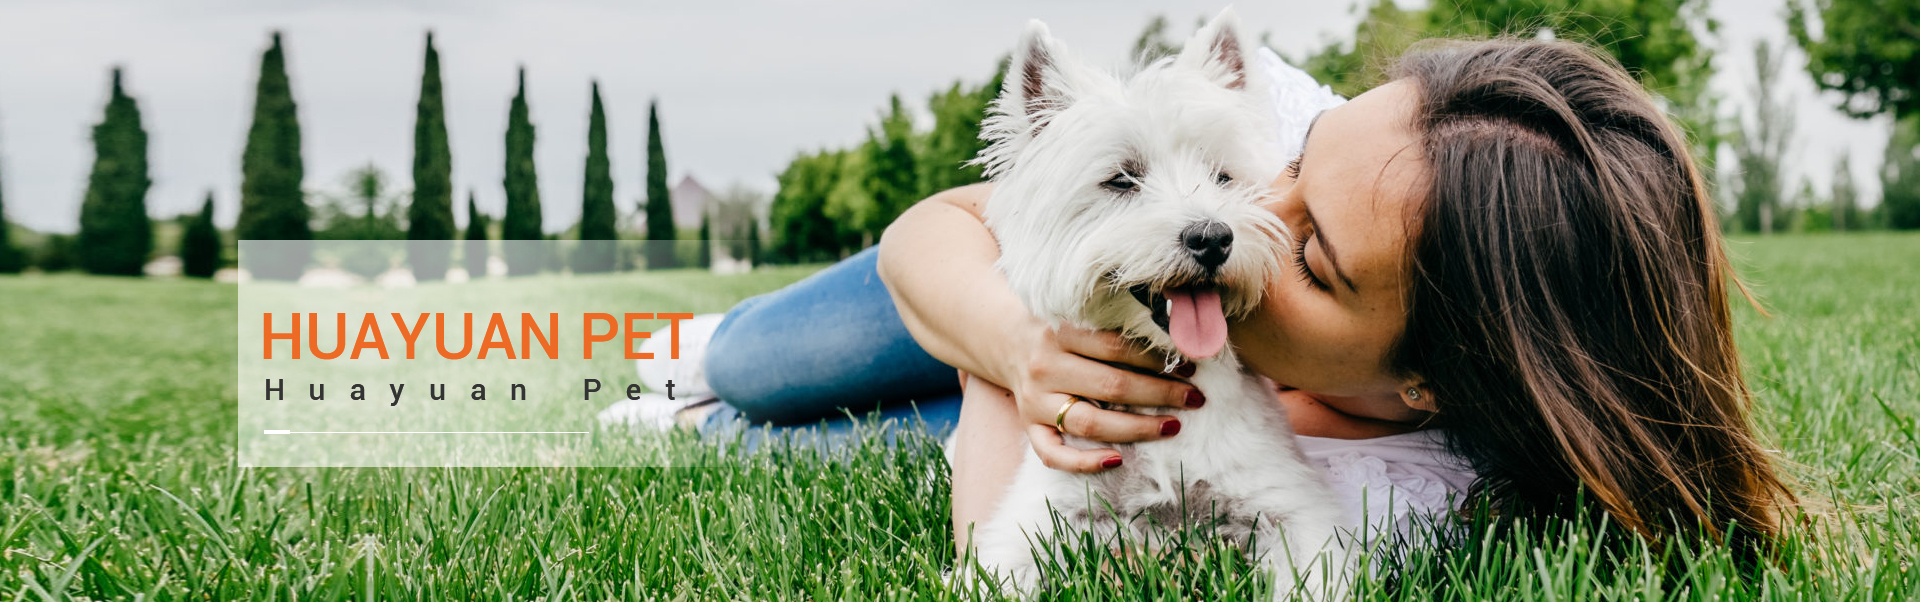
{"points": [[1170, 428], [1195, 398], [1184, 370], [1113, 462]]}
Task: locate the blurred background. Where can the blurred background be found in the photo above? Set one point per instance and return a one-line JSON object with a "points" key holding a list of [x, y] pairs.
{"points": [[140, 139], [143, 138]]}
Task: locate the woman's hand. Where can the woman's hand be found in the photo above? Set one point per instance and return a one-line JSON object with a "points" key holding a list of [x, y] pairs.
{"points": [[937, 261], [1058, 367]]}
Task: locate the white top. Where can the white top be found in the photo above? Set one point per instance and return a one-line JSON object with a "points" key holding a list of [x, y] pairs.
{"points": [[1297, 99], [1384, 481]]}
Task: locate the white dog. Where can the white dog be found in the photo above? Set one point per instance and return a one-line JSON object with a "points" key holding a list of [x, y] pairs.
{"points": [[1131, 204]]}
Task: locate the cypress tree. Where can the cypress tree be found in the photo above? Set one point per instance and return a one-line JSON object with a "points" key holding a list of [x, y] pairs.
{"points": [[115, 234], [476, 251], [272, 207], [706, 240], [554, 262], [597, 220], [430, 216], [660, 230], [200, 244], [11, 259], [522, 219]]}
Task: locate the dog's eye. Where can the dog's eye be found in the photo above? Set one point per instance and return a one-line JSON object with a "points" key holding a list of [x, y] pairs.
{"points": [[1222, 178], [1121, 182]]}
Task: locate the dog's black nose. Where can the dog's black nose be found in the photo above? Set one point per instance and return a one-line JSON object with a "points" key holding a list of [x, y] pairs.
{"points": [[1208, 242]]}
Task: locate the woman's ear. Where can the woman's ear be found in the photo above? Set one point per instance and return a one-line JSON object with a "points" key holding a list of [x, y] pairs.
{"points": [[1416, 396]]}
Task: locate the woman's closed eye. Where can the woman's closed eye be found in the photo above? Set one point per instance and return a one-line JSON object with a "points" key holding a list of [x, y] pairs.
{"points": [[1300, 265], [1304, 271]]}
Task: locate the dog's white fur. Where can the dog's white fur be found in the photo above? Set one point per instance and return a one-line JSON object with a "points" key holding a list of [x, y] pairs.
{"points": [[1072, 250]]}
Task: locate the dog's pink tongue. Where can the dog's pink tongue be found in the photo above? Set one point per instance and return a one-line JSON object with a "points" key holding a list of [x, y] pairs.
{"points": [[1198, 326]]}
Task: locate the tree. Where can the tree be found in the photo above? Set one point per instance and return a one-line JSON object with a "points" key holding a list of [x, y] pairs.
{"points": [[272, 207], [1804, 211], [115, 233], [752, 251], [554, 261], [706, 239], [1900, 176], [12, 260], [798, 223], [1761, 146], [522, 219], [850, 205], [1656, 40], [660, 230], [475, 254], [1381, 36], [366, 211], [598, 222], [56, 253], [833, 201], [1846, 203], [200, 244], [736, 221], [892, 177], [1867, 50], [430, 215], [1663, 43], [955, 140], [1152, 43]]}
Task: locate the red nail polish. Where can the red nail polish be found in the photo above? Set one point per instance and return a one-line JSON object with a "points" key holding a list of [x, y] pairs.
{"points": [[1113, 462], [1195, 398], [1184, 370], [1170, 428]]}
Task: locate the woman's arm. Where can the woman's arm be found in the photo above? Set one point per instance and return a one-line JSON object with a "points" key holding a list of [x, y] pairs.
{"points": [[937, 262]]}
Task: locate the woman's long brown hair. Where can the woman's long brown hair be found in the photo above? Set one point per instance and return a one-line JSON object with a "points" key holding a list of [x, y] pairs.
{"points": [[1568, 306]]}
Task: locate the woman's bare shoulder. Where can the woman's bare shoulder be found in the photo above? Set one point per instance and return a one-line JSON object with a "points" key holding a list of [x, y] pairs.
{"points": [[971, 198]]}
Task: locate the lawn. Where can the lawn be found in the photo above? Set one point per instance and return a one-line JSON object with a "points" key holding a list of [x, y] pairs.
{"points": [[117, 477]]}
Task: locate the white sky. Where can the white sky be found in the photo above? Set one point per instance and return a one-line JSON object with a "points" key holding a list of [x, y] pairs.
{"points": [[743, 86]]}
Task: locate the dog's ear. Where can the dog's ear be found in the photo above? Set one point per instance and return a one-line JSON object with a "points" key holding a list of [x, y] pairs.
{"points": [[1035, 83], [1035, 90], [1218, 51]]}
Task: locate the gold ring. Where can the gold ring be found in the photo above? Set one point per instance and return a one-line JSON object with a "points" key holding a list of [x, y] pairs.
{"points": [[1060, 419]]}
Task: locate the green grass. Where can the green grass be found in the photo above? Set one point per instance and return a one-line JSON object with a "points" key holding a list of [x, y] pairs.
{"points": [[117, 477]]}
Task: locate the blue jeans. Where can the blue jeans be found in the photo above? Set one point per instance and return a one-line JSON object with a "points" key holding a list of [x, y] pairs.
{"points": [[810, 355]]}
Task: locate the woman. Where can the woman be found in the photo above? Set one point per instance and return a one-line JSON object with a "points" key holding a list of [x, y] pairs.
{"points": [[1508, 244]]}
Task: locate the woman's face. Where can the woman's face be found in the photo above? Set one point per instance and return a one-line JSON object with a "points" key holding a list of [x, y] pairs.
{"points": [[1327, 323]]}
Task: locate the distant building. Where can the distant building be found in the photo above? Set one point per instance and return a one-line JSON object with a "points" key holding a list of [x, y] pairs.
{"points": [[690, 201]]}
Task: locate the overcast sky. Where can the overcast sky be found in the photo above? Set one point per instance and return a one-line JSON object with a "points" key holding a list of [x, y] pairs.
{"points": [[742, 86]]}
